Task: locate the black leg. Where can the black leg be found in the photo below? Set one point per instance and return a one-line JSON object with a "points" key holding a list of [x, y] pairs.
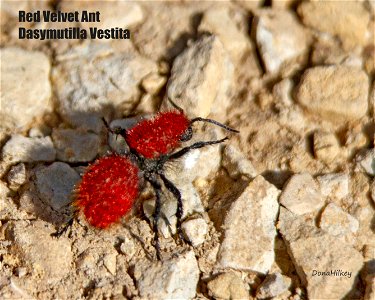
{"points": [[63, 228], [156, 215], [197, 145], [174, 190]]}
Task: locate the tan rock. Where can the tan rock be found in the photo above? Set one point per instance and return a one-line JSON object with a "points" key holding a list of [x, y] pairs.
{"points": [[201, 78], [347, 20], [195, 231], [17, 176], [26, 89], [334, 91], [337, 222], [334, 185], [236, 163], [228, 286], [249, 230], [274, 285], [301, 194], [326, 146]]}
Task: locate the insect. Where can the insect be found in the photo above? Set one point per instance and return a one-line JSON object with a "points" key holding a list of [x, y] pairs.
{"points": [[110, 186]]}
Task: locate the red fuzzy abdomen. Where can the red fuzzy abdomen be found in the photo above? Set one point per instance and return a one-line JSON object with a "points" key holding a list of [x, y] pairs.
{"points": [[107, 190], [158, 136]]}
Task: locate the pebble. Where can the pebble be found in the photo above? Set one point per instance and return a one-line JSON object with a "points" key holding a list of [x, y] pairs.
{"points": [[17, 176], [301, 194], [175, 278], [200, 78], [26, 89], [334, 92], [279, 37], [273, 285], [337, 222], [55, 184], [326, 146], [75, 146], [95, 79], [347, 20], [23, 149], [237, 164], [228, 286], [225, 23], [109, 261], [249, 230], [311, 249], [195, 231], [334, 185], [32, 243], [366, 162]]}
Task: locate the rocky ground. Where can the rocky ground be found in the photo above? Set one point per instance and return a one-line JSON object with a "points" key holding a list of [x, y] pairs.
{"points": [[291, 195]]}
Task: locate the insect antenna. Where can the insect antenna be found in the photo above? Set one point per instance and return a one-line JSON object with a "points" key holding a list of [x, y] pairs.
{"points": [[213, 122]]}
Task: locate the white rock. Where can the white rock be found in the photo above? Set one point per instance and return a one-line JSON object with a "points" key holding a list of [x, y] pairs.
{"points": [[236, 163], [195, 231], [23, 149], [366, 162], [301, 194], [282, 92], [335, 185], [314, 251], [228, 286], [26, 89], [176, 278], [279, 37], [201, 78], [326, 146], [337, 222], [274, 285], [55, 184], [17, 176], [249, 229], [96, 78], [75, 146], [334, 92], [153, 83]]}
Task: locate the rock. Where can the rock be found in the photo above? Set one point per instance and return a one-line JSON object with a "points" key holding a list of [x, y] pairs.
{"points": [[279, 37], [23, 149], [326, 146], [237, 164], [348, 21], [96, 80], [26, 89], [337, 222], [109, 261], [326, 265], [114, 14], [335, 185], [369, 271], [373, 191], [195, 231], [30, 242], [229, 25], [366, 162], [75, 146], [301, 194], [17, 176], [334, 92], [201, 78], [153, 83], [128, 247], [55, 184], [175, 278], [274, 285], [249, 230], [228, 286]]}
